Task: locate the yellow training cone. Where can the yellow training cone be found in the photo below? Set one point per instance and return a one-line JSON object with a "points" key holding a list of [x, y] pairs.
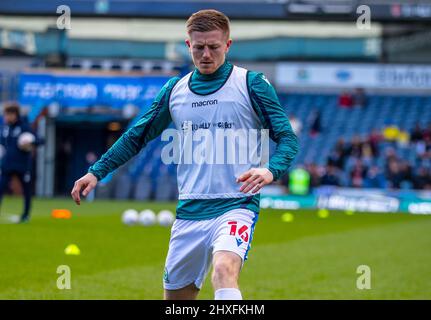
{"points": [[323, 213], [350, 212], [72, 250], [287, 217]]}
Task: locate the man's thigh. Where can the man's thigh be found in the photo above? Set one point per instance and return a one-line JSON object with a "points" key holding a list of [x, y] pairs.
{"points": [[233, 232], [189, 255], [188, 293]]}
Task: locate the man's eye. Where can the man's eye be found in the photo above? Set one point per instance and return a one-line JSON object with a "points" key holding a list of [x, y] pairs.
{"points": [[199, 47]]}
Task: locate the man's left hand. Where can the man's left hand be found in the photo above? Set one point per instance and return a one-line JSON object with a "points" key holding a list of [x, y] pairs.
{"points": [[254, 179]]}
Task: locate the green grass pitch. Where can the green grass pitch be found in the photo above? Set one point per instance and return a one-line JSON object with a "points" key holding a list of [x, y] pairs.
{"points": [[307, 258]]}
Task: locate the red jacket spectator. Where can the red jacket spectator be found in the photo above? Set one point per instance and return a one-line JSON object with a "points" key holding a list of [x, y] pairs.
{"points": [[345, 100]]}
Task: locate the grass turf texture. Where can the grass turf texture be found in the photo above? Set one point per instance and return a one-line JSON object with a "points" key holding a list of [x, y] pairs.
{"points": [[308, 258]]}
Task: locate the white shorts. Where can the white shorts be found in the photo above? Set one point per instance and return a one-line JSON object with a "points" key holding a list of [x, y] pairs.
{"points": [[193, 243]]}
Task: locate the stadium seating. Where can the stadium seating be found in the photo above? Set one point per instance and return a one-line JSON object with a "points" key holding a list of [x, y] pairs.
{"points": [[402, 111]]}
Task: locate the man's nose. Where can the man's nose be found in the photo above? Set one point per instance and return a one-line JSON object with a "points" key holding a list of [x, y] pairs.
{"points": [[206, 52]]}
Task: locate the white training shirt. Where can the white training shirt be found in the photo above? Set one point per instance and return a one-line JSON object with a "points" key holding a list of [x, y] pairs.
{"points": [[210, 158]]}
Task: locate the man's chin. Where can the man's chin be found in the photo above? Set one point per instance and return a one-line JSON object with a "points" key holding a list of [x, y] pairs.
{"points": [[206, 71]]}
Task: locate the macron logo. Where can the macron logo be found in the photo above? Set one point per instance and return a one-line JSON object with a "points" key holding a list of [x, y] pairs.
{"points": [[204, 103]]}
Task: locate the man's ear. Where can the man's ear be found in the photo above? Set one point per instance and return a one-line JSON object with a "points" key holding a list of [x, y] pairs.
{"points": [[228, 44], [187, 41]]}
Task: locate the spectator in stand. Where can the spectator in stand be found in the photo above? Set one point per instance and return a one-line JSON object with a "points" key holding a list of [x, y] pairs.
{"points": [[406, 167], [422, 179], [420, 148], [390, 155], [395, 176], [423, 149], [425, 160], [342, 148], [427, 144], [394, 172], [357, 174], [313, 170], [416, 134], [427, 132], [374, 139], [336, 159], [299, 181], [375, 179], [345, 100], [367, 155], [391, 132], [407, 172], [403, 139], [330, 178], [355, 148], [315, 121], [360, 99]]}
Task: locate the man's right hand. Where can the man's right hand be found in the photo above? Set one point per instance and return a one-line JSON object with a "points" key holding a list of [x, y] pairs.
{"points": [[87, 182]]}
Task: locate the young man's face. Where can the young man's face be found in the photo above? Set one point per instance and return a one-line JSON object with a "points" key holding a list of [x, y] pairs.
{"points": [[208, 49]]}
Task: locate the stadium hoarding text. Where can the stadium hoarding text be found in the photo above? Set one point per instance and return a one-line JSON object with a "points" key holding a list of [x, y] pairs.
{"points": [[378, 201], [78, 90], [289, 202], [336, 75], [359, 203]]}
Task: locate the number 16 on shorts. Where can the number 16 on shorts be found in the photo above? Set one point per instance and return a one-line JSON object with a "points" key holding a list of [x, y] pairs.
{"points": [[242, 232]]}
